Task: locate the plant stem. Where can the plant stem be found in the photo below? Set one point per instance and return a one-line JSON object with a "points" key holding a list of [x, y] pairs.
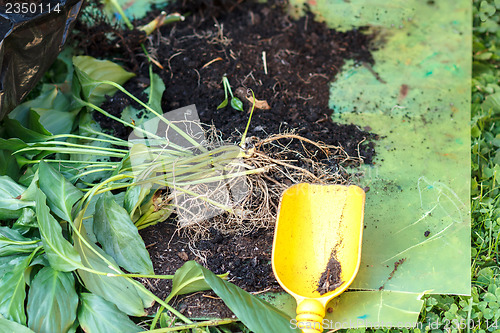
{"points": [[117, 142], [120, 11], [244, 136], [95, 107], [72, 151], [147, 107], [163, 277], [89, 172], [195, 325], [76, 145]]}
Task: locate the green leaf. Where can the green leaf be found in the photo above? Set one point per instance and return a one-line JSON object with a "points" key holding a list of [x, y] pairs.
{"points": [[35, 132], [13, 291], [492, 102], [223, 104], [155, 92], [54, 107], [237, 104], [61, 194], [97, 315], [11, 326], [62, 256], [8, 163], [12, 242], [52, 301], [87, 127], [188, 279], [10, 203], [117, 290], [134, 197], [91, 70], [26, 220], [119, 237], [258, 315], [7, 263]]}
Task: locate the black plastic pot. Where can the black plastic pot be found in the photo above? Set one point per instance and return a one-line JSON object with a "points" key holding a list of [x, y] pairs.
{"points": [[29, 44]]}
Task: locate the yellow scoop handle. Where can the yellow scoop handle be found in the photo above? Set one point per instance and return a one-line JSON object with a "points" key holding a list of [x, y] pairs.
{"points": [[310, 314], [315, 224]]}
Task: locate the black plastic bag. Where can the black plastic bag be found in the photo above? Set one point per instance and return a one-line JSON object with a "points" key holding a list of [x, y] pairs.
{"points": [[29, 43]]}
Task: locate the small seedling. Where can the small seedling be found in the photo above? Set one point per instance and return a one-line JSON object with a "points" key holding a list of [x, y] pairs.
{"points": [[236, 103]]}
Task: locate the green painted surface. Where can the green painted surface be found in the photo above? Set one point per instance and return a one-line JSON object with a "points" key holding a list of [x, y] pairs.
{"points": [[417, 236]]}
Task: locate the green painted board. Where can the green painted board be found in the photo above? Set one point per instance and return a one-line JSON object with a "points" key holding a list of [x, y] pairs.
{"points": [[417, 236]]}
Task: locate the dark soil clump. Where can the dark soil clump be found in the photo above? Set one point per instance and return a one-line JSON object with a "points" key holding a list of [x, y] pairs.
{"points": [[330, 278], [246, 258], [301, 58]]}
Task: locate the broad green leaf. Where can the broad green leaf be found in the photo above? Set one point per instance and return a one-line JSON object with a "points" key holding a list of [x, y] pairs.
{"points": [[134, 197], [34, 132], [12, 144], [236, 104], [61, 194], [13, 291], [7, 263], [11, 326], [58, 115], [155, 92], [61, 254], [117, 290], [97, 315], [223, 104], [10, 187], [188, 279], [54, 107], [258, 315], [10, 203], [52, 301], [12, 242], [119, 237], [8, 164], [87, 127], [91, 70], [28, 175], [27, 219]]}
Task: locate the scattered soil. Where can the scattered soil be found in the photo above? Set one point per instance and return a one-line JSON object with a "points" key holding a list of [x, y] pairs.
{"points": [[233, 38], [330, 278], [396, 266]]}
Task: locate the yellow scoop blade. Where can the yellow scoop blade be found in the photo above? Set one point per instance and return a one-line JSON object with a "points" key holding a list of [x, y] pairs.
{"points": [[319, 229]]}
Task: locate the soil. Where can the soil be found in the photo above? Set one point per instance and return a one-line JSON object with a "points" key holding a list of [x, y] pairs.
{"points": [[233, 38], [330, 278], [302, 57], [391, 275]]}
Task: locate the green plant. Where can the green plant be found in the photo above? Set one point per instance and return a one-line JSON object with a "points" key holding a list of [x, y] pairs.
{"points": [[236, 103], [67, 232]]}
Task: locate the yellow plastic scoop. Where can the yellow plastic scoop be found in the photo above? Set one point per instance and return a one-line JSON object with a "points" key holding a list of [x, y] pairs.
{"points": [[317, 246]]}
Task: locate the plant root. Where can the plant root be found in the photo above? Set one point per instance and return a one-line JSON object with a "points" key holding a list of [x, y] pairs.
{"points": [[287, 159]]}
